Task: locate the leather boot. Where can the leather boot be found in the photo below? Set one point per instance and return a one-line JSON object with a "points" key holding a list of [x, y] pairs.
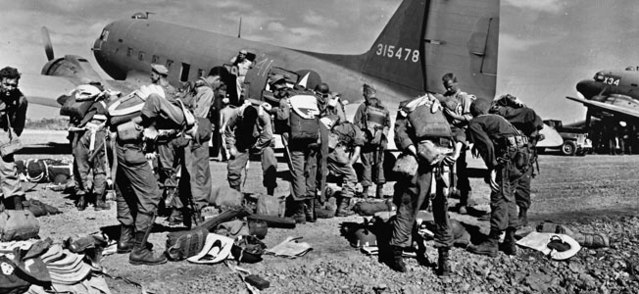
{"points": [[82, 203], [309, 210], [344, 209], [396, 262], [365, 191], [509, 246], [141, 254], [443, 266], [379, 194], [463, 201], [488, 247], [523, 217], [298, 212], [125, 244], [100, 204]]}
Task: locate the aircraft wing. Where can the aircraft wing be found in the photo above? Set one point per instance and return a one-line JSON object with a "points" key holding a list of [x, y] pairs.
{"points": [[44, 90], [613, 109]]}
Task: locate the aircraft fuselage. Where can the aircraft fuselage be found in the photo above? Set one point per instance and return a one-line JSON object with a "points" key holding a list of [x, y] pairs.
{"points": [[126, 48]]}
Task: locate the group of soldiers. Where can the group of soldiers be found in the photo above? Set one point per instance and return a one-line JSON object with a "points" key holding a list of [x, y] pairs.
{"points": [[172, 128], [503, 133]]}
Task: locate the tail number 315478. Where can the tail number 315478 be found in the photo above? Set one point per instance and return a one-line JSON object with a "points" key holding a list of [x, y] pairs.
{"points": [[400, 53]]}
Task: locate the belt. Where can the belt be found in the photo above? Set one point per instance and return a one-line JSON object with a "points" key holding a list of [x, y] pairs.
{"points": [[517, 141]]}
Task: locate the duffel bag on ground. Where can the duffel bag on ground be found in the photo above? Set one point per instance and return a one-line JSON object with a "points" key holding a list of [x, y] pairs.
{"points": [[18, 225]]}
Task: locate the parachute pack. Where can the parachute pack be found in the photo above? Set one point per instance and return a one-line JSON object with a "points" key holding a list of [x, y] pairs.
{"points": [[304, 118]]}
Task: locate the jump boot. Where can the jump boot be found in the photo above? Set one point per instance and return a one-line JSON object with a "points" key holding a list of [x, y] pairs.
{"points": [[298, 211], [443, 266], [82, 201], [396, 262], [365, 191], [125, 244], [141, 254], [488, 247], [344, 209], [463, 201], [509, 246], [379, 193], [309, 210], [523, 217], [100, 203]]}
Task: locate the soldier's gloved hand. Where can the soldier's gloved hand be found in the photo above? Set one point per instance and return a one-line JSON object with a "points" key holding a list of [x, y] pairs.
{"points": [[493, 181], [233, 151]]}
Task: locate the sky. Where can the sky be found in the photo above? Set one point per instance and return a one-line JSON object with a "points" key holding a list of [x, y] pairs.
{"points": [[546, 46]]}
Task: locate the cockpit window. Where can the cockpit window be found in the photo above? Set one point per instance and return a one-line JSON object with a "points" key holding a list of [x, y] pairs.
{"points": [[599, 77], [105, 35]]}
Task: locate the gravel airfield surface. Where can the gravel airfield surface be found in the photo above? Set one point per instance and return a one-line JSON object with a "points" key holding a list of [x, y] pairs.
{"points": [[596, 193]]}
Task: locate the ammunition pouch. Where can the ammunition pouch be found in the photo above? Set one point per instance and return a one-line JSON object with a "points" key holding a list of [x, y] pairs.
{"points": [[129, 131], [517, 158]]}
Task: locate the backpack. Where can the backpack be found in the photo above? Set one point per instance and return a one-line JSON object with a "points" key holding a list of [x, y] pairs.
{"points": [[304, 118], [428, 124], [74, 108]]}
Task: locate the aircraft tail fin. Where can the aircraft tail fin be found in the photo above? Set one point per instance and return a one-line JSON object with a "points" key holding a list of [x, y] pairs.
{"points": [[396, 55], [426, 39]]}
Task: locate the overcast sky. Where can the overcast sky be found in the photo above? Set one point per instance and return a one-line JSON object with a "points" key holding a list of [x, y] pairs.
{"points": [[546, 46]]}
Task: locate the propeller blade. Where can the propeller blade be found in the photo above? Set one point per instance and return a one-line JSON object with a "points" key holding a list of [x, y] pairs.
{"points": [[48, 48]]}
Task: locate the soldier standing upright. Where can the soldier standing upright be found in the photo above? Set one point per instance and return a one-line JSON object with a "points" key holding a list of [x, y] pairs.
{"points": [[299, 112], [88, 141], [459, 123], [13, 109], [422, 132], [374, 119]]}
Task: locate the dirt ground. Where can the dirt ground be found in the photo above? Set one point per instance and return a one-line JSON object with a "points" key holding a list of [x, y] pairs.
{"points": [[592, 193]]}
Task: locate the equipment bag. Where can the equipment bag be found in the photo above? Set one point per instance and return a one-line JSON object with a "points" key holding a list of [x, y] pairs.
{"points": [[130, 130], [270, 205], [18, 225], [75, 109], [428, 123], [304, 118]]}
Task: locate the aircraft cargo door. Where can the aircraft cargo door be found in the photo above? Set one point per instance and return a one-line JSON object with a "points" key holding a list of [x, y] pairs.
{"points": [[462, 37]]}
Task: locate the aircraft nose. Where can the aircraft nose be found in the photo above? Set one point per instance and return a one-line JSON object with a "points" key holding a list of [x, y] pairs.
{"points": [[588, 88]]}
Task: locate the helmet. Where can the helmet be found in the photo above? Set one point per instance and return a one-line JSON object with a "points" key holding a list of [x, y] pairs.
{"points": [[363, 238], [322, 89]]}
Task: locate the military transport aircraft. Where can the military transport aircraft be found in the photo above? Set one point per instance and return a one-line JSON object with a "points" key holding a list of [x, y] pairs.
{"points": [[611, 93], [423, 40]]}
